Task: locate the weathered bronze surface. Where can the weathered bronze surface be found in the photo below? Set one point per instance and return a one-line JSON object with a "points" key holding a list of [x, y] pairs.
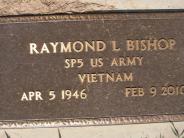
{"points": [[92, 66]]}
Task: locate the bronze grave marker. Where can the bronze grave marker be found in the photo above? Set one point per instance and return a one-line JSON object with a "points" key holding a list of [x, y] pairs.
{"points": [[92, 66]]}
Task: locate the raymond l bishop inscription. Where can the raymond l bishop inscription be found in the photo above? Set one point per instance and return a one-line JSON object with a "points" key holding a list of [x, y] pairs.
{"points": [[92, 66]]}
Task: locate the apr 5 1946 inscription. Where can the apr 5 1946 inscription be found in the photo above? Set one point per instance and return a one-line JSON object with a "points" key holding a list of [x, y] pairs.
{"points": [[92, 66]]}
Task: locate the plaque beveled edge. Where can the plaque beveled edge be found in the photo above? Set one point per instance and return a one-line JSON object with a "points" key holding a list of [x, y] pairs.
{"points": [[8, 124], [19, 124], [91, 17]]}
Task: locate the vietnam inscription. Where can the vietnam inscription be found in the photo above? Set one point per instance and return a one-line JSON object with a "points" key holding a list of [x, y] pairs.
{"points": [[92, 68]]}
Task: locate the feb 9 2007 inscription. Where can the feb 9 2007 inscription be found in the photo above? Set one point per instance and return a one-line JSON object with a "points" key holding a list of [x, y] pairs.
{"points": [[92, 67]]}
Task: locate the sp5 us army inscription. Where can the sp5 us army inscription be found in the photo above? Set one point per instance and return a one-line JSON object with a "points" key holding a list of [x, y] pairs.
{"points": [[92, 69]]}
